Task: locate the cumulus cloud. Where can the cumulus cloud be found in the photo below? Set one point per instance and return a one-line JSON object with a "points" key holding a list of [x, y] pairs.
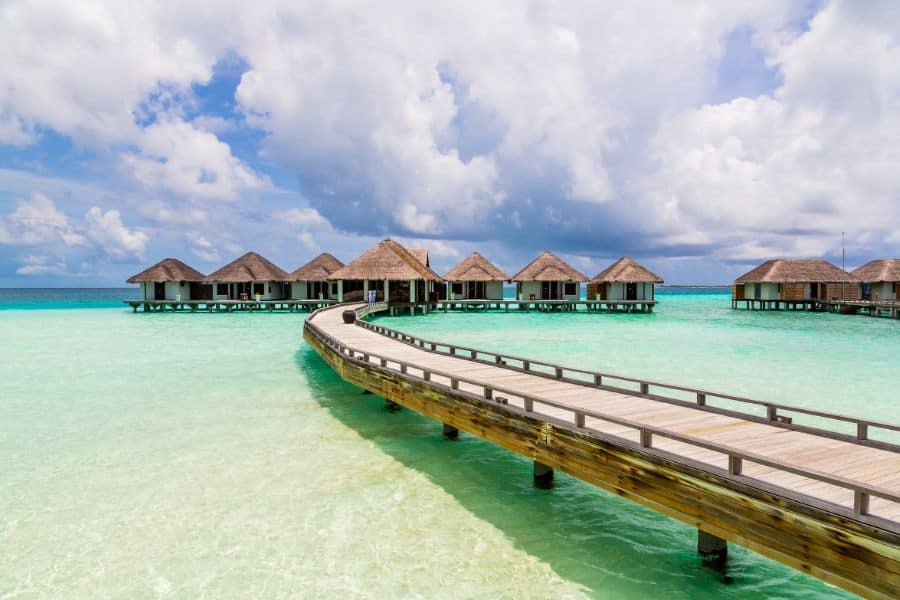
{"points": [[179, 158], [107, 231], [785, 173], [41, 265], [204, 249], [595, 128], [37, 221]]}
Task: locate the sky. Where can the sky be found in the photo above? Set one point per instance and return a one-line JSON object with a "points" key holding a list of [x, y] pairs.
{"points": [[700, 138]]}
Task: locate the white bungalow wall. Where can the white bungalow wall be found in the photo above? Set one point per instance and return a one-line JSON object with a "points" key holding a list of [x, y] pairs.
{"points": [[767, 291], [272, 290], [175, 290], [618, 291], [884, 290], [534, 287], [492, 289]]}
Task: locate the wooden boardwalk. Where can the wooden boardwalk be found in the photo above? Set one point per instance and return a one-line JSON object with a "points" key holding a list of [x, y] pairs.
{"points": [[833, 469], [226, 305]]}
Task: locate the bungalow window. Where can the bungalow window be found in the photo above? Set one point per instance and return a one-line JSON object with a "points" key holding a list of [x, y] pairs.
{"points": [[221, 289], [457, 288], [259, 288], [571, 289]]}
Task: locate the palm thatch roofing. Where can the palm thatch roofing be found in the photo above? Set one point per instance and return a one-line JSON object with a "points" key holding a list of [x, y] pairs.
{"points": [[626, 270], [249, 267], [797, 270], [421, 255], [168, 269], [475, 267], [875, 271], [386, 260], [318, 269], [549, 267]]}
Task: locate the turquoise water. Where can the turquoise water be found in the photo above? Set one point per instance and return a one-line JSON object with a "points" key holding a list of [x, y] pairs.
{"points": [[215, 454]]}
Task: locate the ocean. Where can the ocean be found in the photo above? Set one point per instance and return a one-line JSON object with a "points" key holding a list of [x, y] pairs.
{"points": [[186, 455]]}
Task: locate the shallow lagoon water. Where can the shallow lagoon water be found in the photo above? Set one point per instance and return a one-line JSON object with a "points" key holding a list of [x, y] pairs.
{"points": [[188, 455]]}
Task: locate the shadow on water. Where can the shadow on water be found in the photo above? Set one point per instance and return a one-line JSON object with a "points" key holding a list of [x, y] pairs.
{"points": [[586, 535]]}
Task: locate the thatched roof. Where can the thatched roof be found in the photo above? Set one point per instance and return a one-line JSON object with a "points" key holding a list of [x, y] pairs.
{"points": [[318, 269], [168, 269], [421, 255], [626, 270], [475, 267], [885, 269], [249, 267], [797, 270], [549, 267], [386, 260]]}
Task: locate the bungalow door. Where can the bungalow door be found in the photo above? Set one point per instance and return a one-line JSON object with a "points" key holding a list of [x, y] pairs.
{"points": [[159, 290], [547, 289], [814, 290], [631, 291]]}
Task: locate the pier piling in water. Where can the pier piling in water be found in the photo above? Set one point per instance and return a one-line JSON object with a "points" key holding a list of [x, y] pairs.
{"points": [[713, 549], [450, 432], [543, 476]]}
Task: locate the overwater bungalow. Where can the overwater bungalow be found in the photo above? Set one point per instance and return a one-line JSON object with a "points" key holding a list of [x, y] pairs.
{"points": [[395, 273], [625, 279], [475, 278], [310, 282], [250, 277], [880, 279], [171, 279], [548, 277], [793, 283]]}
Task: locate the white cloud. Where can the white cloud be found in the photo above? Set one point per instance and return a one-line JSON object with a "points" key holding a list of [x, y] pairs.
{"points": [[204, 249], [784, 174], [304, 217], [41, 265], [179, 158], [37, 221], [585, 126], [107, 231]]}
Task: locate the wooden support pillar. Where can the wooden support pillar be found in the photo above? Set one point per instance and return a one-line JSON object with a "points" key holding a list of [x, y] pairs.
{"points": [[391, 406], [450, 432], [713, 549], [543, 476]]}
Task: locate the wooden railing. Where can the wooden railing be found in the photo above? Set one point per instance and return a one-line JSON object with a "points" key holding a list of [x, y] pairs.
{"points": [[862, 492], [652, 389]]}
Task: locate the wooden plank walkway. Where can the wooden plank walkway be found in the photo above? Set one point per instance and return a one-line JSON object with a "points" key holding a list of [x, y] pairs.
{"points": [[806, 451], [852, 478]]}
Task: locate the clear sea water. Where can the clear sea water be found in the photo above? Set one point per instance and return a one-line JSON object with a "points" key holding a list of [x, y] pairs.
{"points": [[189, 455]]}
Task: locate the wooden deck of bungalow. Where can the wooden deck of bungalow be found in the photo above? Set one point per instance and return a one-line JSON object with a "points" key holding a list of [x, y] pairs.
{"points": [[873, 308], [807, 304], [547, 305], [227, 305], [817, 491]]}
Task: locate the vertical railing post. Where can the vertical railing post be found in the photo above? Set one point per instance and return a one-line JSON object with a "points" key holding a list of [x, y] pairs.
{"points": [[579, 419], [862, 431], [735, 465], [701, 399], [598, 379], [529, 404], [771, 413], [860, 503], [646, 438], [645, 388]]}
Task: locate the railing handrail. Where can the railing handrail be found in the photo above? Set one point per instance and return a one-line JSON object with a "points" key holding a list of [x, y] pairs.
{"points": [[648, 382], [862, 491]]}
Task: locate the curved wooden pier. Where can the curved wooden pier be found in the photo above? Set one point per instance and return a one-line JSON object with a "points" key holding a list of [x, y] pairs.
{"points": [[822, 496]]}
